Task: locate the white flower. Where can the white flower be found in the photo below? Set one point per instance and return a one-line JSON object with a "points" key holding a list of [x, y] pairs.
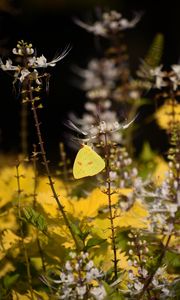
{"points": [[32, 61], [155, 282], [130, 274], [172, 208], [97, 28], [130, 263], [112, 175], [94, 273], [110, 22], [24, 73], [125, 24], [66, 293], [138, 286], [134, 94], [90, 106], [175, 82], [134, 172], [102, 126], [41, 61], [81, 291], [98, 292], [77, 266], [159, 77], [8, 66], [165, 189], [176, 69], [144, 273], [165, 291], [89, 265], [68, 266], [62, 277], [70, 279], [84, 255], [17, 51]]}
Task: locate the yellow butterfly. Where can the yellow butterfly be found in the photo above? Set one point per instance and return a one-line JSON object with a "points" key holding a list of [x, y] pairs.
{"points": [[87, 163]]}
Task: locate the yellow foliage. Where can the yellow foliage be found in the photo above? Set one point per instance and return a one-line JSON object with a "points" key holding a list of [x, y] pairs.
{"points": [[164, 114], [104, 258], [61, 234], [9, 239], [6, 268], [160, 171], [8, 220], [45, 197], [135, 217], [87, 207], [17, 296], [8, 183], [27, 296]]}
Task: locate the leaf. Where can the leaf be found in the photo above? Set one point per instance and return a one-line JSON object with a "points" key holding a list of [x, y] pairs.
{"points": [[40, 106], [152, 58], [9, 280], [35, 218], [175, 289], [94, 242], [122, 239], [154, 55], [111, 293], [173, 261], [147, 154]]}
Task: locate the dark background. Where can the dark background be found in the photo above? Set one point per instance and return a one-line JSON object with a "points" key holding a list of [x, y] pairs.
{"points": [[49, 25]]}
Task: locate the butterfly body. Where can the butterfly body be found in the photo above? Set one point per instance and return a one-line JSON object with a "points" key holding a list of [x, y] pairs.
{"points": [[87, 163]]}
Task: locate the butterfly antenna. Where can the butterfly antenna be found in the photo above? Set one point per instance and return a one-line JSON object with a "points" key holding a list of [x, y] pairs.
{"points": [[125, 126], [73, 127]]}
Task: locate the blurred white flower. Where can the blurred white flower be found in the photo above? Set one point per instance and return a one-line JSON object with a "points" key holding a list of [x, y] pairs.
{"points": [[81, 291], [110, 22], [159, 77], [8, 66], [98, 292], [23, 74]]}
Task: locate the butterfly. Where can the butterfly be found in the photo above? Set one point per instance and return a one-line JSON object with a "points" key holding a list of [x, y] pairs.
{"points": [[87, 163]]}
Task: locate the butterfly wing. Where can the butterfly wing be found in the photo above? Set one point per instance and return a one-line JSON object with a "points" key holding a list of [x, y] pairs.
{"points": [[87, 163]]}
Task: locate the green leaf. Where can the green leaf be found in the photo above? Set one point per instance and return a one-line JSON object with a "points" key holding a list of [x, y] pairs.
{"points": [[35, 218], [147, 154], [111, 293], [40, 106], [122, 239], [154, 55], [173, 261], [9, 280], [175, 289], [94, 242], [76, 229]]}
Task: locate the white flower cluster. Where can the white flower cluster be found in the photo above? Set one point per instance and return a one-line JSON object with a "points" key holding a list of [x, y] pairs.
{"points": [[99, 121], [164, 78], [100, 73], [138, 251], [165, 203], [103, 79], [159, 283], [110, 23], [139, 255], [80, 279], [31, 62]]}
